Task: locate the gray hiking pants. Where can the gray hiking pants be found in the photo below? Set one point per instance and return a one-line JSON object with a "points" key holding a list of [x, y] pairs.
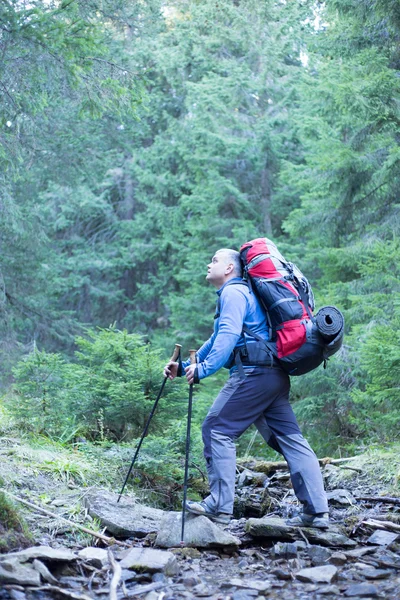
{"points": [[262, 398]]}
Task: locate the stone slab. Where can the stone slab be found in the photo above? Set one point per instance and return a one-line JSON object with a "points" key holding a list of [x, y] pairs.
{"points": [[200, 532], [149, 560], [125, 518]]}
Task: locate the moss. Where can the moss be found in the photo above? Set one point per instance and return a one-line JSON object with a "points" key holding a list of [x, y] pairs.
{"points": [[14, 531]]}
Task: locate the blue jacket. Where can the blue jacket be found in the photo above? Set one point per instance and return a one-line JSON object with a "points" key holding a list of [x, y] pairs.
{"points": [[237, 307]]}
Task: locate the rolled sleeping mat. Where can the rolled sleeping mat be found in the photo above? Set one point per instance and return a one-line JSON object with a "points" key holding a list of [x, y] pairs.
{"points": [[330, 322]]}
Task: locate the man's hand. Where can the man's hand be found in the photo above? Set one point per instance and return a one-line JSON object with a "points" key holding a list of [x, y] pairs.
{"points": [[190, 374], [171, 370]]}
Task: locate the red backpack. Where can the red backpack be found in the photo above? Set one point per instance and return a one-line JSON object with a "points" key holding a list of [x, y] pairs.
{"points": [[300, 341]]}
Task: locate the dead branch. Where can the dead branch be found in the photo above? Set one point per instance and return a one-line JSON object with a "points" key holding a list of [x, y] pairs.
{"points": [[117, 574], [351, 468], [106, 539], [387, 525], [384, 499], [268, 467]]}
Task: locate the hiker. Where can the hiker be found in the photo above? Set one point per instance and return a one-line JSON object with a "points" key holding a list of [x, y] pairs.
{"points": [[257, 391]]}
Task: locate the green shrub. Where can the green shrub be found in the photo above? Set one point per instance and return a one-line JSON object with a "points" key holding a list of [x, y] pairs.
{"points": [[107, 393]]}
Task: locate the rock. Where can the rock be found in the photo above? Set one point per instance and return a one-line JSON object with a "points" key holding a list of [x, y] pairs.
{"points": [[275, 528], [200, 532], [202, 590], [358, 552], [318, 555], [338, 559], [97, 557], [376, 573], [284, 550], [250, 584], [187, 552], [123, 519], [361, 590], [150, 560], [41, 552], [282, 574], [329, 589], [14, 572], [341, 497], [247, 477], [16, 594], [325, 574], [244, 595], [44, 571], [381, 537]]}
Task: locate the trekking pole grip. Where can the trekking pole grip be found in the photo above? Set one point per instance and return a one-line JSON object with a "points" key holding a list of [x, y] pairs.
{"points": [[192, 354], [177, 351]]}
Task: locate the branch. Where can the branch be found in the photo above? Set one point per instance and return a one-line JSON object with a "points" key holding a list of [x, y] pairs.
{"points": [[384, 499], [270, 466], [106, 539], [387, 525], [116, 578], [111, 64]]}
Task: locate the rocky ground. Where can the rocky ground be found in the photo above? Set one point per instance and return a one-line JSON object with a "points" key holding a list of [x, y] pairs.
{"points": [[256, 556]]}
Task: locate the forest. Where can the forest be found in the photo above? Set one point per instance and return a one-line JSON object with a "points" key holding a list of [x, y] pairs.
{"points": [[137, 138]]}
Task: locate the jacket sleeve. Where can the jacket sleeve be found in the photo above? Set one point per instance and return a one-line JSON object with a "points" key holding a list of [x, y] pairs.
{"points": [[203, 352], [233, 309]]}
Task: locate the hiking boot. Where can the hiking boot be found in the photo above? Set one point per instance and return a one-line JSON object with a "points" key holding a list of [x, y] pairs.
{"points": [[200, 508], [320, 521]]}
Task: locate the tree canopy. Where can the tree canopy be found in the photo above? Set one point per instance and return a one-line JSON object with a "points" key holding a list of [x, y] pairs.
{"points": [[136, 138]]}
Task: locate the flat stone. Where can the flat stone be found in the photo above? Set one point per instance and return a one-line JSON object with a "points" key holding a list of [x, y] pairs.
{"points": [[97, 557], [318, 555], [329, 590], [244, 594], [125, 518], [150, 560], [275, 528], [325, 574], [377, 573], [250, 584], [42, 553], [200, 532], [341, 497], [359, 552], [382, 538], [361, 590], [14, 572], [338, 559]]}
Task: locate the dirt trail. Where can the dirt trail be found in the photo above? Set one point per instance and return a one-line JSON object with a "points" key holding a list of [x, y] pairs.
{"points": [[288, 569]]}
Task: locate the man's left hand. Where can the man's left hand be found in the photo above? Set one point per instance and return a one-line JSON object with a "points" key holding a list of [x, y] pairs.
{"points": [[191, 374]]}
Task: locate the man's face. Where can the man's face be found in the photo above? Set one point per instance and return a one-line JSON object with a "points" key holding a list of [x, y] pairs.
{"points": [[218, 268]]}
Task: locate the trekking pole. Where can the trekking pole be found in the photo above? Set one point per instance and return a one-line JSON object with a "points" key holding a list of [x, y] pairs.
{"points": [[174, 358], [192, 354]]}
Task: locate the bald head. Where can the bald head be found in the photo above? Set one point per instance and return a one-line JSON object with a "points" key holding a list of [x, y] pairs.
{"points": [[224, 265]]}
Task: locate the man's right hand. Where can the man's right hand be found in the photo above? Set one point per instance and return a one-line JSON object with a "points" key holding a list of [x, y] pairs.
{"points": [[171, 370]]}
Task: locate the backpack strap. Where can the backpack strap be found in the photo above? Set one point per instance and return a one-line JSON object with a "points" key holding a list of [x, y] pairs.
{"points": [[271, 347], [304, 297]]}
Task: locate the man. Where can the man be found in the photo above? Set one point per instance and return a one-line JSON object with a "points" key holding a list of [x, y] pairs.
{"points": [[257, 391]]}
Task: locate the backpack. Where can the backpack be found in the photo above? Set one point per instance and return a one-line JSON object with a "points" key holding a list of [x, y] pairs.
{"points": [[298, 339]]}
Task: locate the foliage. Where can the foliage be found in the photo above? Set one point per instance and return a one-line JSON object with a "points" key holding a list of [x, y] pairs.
{"points": [[107, 393], [136, 139]]}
